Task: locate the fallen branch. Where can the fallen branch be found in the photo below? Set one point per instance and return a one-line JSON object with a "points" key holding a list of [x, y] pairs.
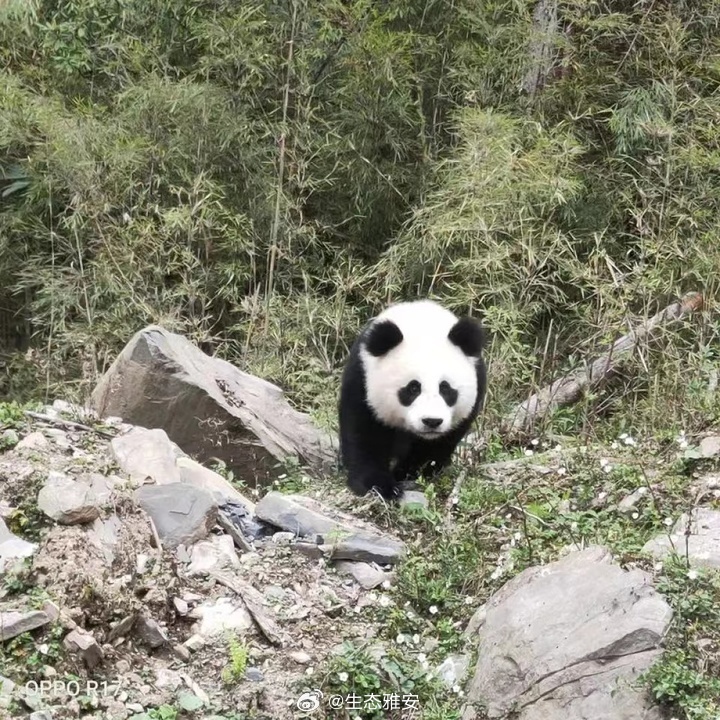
{"points": [[572, 387], [67, 424], [255, 604]]}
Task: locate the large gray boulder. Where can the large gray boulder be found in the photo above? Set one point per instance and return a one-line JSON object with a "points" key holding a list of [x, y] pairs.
{"points": [[567, 641], [208, 407]]}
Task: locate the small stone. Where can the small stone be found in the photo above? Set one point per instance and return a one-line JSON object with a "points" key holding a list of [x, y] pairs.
{"points": [[67, 501], [219, 617], [300, 657], [181, 606], [181, 652], [167, 679], [12, 547], [283, 538], [51, 610], [142, 563], [122, 628], [33, 441], [212, 555], [83, 643], [150, 632], [253, 675], [628, 503], [453, 669], [195, 642], [9, 439], [367, 575], [710, 446], [412, 498]]}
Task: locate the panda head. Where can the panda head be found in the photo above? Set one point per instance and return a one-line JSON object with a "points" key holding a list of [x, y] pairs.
{"points": [[420, 364]]}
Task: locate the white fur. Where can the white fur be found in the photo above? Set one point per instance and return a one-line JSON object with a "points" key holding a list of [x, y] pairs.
{"points": [[425, 355]]}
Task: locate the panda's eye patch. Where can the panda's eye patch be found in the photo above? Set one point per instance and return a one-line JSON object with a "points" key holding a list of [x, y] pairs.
{"points": [[408, 394], [448, 393]]}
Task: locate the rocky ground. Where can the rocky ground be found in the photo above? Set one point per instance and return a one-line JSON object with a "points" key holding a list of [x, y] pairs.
{"points": [[567, 582]]}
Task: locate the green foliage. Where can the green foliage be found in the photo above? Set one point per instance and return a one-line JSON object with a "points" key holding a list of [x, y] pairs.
{"points": [[262, 177], [235, 670], [687, 678], [360, 677]]}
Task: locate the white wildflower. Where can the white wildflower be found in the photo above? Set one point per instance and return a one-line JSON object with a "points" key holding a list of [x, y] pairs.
{"points": [[692, 574], [343, 677], [529, 452], [433, 609], [668, 521], [635, 516], [534, 441], [561, 471]]}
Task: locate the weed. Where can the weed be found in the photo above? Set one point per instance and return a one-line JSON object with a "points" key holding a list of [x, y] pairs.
{"points": [[235, 670]]}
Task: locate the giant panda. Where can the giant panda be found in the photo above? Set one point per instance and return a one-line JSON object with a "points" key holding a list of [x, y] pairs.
{"points": [[413, 383]]}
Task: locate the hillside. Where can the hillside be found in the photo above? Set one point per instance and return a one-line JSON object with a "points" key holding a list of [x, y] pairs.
{"points": [[234, 189]]}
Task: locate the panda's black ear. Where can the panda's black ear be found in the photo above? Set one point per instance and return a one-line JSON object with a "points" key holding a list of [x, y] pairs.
{"points": [[468, 335], [383, 337]]}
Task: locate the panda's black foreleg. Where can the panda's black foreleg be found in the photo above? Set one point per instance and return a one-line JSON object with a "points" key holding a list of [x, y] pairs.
{"points": [[427, 457], [366, 455], [368, 467]]}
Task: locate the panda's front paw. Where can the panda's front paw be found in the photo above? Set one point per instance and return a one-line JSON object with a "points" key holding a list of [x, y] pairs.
{"points": [[381, 483], [388, 490]]}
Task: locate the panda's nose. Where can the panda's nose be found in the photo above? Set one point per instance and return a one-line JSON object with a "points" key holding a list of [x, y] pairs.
{"points": [[432, 423]]}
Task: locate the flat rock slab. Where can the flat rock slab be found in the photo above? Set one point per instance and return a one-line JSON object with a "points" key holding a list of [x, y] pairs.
{"points": [[567, 640], [12, 547], [182, 514], [149, 455], [208, 407], [367, 575], [701, 547], [339, 535], [15, 623]]}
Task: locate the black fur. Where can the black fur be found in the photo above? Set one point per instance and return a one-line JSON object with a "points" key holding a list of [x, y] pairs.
{"points": [[383, 337], [468, 335], [368, 447]]}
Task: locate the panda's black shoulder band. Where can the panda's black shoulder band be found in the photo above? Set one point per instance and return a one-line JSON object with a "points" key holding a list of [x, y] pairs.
{"points": [[382, 337]]}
